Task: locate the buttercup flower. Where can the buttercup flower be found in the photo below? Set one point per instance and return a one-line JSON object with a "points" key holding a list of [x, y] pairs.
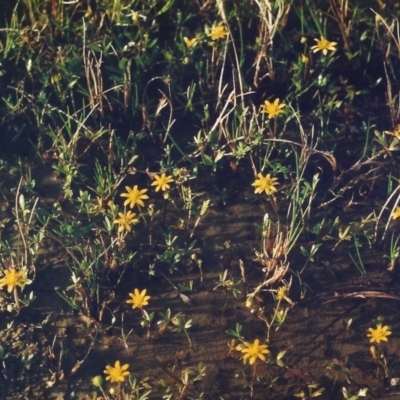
{"points": [[265, 184], [272, 109], [190, 42], [161, 182], [15, 278], [139, 299], [134, 196], [324, 45], [125, 220], [396, 213], [379, 334], [217, 31], [252, 351], [116, 373]]}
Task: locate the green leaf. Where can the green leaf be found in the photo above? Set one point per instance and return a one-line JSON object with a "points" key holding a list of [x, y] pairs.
{"points": [[204, 207], [167, 6], [281, 354], [22, 202], [207, 160], [219, 155]]}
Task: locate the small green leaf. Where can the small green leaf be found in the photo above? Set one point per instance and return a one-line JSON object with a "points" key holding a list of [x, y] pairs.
{"points": [[204, 207], [22, 202], [167, 6]]}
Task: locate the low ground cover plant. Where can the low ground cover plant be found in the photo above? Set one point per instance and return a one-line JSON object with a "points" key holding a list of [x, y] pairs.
{"points": [[200, 200]]}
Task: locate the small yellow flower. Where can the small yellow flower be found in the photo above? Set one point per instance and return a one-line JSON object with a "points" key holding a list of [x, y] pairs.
{"points": [[55, 78], [125, 220], [217, 31], [282, 294], [396, 213], [265, 184], [304, 59], [272, 109], [15, 278], [161, 182], [135, 17], [379, 334], [252, 351], [134, 196], [396, 132], [139, 299], [97, 381], [324, 46], [116, 373], [190, 42]]}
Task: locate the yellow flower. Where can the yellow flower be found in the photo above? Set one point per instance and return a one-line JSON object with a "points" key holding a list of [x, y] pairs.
{"points": [[134, 196], [161, 182], [190, 42], [272, 109], [304, 59], [281, 293], [217, 31], [97, 381], [252, 351], [116, 373], [135, 17], [15, 278], [323, 45], [396, 132], [139, 299], [265, 183], [379, 334], [125, 220], [55, 78], [396, 213]]}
